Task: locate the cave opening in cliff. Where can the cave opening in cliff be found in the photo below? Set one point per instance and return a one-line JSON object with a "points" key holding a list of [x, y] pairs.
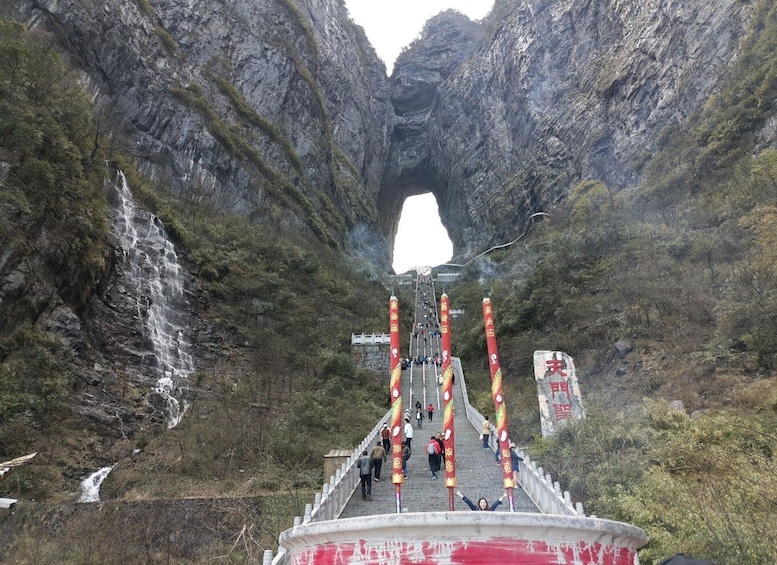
{"points": [[421, 240]]}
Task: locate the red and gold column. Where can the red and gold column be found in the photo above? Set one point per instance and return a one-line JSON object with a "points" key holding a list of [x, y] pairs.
{"points": [[499, 404], [447, 398], [396, 403]]}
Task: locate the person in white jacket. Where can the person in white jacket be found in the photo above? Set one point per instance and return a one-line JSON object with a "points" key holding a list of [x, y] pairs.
{"points": [[408, 432]]}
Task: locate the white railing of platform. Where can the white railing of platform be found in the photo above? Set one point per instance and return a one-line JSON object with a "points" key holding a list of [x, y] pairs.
{"points": [[370, 339], [336, 492], [545, 493]]}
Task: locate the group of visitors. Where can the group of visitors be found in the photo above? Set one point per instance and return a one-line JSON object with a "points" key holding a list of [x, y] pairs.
{"points": [[370, 464], [423, 360], [419, 414], [515, 459]]}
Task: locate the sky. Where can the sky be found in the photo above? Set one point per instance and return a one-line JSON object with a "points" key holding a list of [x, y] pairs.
{"points": [[421, 238], [391, 25]]}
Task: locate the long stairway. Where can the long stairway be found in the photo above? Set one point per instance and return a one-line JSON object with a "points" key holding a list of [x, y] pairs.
{"points": [[477, 473]]}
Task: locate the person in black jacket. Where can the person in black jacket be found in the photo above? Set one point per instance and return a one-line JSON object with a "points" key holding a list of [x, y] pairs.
{"points": [[482, 504], [365, 474]]}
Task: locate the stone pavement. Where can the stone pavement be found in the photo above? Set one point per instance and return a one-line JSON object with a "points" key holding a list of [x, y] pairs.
{"points": [[477, 473]]}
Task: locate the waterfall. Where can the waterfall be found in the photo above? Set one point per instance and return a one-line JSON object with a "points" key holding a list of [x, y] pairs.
{"points": [[90, 486], [152, 267]]}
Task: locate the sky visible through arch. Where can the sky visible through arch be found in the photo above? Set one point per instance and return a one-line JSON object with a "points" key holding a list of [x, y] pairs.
{"points": [[390, 26], [421, 238]]}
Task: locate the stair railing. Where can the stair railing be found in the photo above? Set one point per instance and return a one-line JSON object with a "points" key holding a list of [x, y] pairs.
{"points": [[543, 491], [338, 489], [329, 503]]}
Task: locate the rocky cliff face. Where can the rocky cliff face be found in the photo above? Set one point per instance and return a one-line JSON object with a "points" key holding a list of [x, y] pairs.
{"points": [[282, 104], [263, 107], [250, 105], [546, 94], [281, 108], [420, 71]]}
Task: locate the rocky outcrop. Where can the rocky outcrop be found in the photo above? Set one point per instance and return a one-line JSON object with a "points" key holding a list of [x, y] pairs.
{"points": [[554, 92], [447, 41], [250, 105], [280, 108], [266, 105]]}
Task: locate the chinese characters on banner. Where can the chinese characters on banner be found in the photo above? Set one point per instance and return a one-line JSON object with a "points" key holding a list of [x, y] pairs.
{"points": [[447, 396], [557, 390], [498, 395], [395, 390]]}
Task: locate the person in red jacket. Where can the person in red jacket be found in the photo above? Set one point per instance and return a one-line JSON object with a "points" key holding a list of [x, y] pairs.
{"points": [[430, 411], [385, 437]]}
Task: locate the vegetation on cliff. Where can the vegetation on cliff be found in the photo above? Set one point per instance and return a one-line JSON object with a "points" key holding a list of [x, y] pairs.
{"points": [[683, 268], [53, 218], [277, 388]]}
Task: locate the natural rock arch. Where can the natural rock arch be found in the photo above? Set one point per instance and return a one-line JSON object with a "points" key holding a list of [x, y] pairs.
{"points": [[412, 168]]}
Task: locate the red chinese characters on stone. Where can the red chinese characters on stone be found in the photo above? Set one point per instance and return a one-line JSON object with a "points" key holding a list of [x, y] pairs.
{"points": [[559, 387], [555, 367], [561, 406], [563, 411]]}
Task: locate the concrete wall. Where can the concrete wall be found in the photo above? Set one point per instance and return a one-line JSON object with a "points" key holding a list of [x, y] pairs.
{"points": [[465, 538], [373, 357]]}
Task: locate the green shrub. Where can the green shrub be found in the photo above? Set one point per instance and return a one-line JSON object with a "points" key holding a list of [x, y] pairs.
{"points": [[147, 9], [167, 40]]}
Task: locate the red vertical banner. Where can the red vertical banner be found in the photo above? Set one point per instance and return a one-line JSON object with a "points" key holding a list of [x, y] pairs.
{"points": [[499, 401], [447, 398], [395, 391]]}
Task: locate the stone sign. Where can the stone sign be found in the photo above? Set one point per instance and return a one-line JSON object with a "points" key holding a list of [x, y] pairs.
{"points": [[557, 390]]}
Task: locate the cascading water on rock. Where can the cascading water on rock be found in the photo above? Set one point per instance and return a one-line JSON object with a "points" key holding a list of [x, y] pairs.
{"points": [[151, 265], [90, 486]]}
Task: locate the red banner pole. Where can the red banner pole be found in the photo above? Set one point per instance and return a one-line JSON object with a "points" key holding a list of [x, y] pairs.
{"points": [[395, 390], [447, 397], [499, 405]]}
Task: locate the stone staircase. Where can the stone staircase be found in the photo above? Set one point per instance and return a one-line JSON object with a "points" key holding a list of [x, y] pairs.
{"points": [[477, 473]]}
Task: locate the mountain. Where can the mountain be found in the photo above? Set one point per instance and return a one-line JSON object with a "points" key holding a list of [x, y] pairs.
{"points": [[508, 115], [255, 104], [267, 140], [283, 103]]}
